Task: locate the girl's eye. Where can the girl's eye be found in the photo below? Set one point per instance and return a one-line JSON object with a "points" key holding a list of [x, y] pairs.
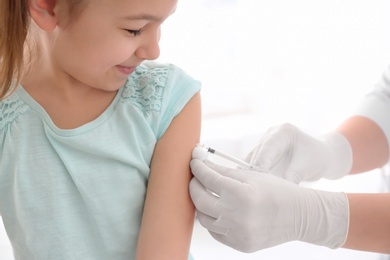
{"points": [[134, 32]]}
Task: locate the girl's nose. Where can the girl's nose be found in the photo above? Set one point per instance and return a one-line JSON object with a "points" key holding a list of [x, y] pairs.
{"points": [[149, 48]]}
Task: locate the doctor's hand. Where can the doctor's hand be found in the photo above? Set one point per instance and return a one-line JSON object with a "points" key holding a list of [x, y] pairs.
{"points": [[249, 211], [289, 153]]}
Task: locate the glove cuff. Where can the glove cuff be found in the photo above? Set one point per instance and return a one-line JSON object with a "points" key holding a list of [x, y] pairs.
{"points": [[329, 223], [341, 155], [338, 220]]}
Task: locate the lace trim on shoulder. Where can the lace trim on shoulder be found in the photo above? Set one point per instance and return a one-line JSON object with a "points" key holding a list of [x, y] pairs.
{"points": [[145, 88], [10, 109]]}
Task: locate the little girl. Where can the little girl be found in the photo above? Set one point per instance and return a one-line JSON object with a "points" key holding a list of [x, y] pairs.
{"points": [[95, 143]]}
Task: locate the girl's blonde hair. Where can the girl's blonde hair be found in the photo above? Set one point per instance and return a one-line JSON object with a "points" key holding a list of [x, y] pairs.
{"points": [[14, 29], [14, 24]]}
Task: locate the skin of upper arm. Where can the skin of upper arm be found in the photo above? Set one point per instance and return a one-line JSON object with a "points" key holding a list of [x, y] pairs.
{"points": [[369, 224], [370, 148], [168, 216]]}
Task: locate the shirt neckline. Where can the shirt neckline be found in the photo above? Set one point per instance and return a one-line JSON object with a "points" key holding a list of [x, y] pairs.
{"points": [[35, 106]]}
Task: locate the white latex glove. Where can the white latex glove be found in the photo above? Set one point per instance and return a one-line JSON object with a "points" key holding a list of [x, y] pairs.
{"points": [[289, 153], [249, 211]]}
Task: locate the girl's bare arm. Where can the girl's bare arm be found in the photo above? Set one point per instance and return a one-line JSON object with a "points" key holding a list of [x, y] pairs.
{"points": [[168, 216]]}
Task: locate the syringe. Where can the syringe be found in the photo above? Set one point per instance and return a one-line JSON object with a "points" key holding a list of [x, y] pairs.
{"points": [[230, 158]]}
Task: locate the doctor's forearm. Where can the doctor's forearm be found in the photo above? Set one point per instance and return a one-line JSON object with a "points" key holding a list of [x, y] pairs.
{"points": [[369, 145], [369, 228]]}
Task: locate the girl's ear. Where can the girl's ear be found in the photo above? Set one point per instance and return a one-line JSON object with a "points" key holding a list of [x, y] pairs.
{"points": [[43, 14]]}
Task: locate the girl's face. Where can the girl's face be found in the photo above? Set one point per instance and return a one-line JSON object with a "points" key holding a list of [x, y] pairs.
{"points": [[108, 40]]}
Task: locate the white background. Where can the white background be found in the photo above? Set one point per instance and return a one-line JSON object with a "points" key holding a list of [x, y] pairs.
{"points": [[265, 62], [303, 61]]}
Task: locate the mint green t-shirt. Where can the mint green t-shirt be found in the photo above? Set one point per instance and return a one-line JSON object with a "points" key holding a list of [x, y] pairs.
{"points": [[78, 194]]}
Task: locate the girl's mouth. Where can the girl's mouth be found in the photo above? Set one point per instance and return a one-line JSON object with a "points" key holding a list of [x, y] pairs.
{"points": [[126, 70]]}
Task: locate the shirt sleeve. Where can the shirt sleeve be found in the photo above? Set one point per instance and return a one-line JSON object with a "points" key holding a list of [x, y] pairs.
{"points": [[376, 104], [180, 88]]}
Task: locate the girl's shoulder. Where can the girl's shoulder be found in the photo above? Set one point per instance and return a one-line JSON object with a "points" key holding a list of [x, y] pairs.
{"points": [[145, 87], [152, 81], [151, 73], [10, 108]]}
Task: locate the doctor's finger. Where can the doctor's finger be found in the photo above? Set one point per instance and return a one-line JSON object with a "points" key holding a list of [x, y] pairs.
{"points": [[237, 175], [210, 224], [269, 151], [216, 178], [242, 245], [204, 200]]}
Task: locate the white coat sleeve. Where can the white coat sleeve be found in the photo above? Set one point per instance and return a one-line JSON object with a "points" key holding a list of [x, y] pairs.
{"points": [[376, 104]]}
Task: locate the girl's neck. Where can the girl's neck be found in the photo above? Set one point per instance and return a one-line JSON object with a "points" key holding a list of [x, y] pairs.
{"points": [[69, 103]]}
